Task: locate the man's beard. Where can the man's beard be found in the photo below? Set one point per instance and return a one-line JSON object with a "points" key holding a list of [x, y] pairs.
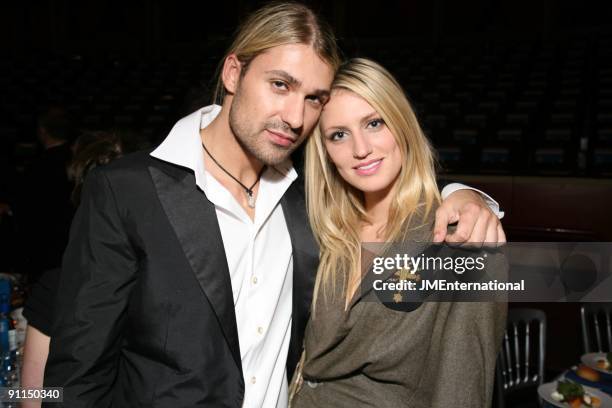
{"points": [[251, 141]]}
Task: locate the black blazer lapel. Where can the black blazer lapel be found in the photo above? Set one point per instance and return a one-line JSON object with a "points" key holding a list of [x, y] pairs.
{"points": [[194, 220], [305, 263]]}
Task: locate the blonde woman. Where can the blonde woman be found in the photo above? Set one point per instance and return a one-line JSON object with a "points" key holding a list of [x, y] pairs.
{"points": [[370, 178]]}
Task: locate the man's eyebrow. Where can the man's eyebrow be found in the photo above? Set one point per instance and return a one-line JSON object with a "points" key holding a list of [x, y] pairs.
{"points": [[323, 94], [286, 76]]}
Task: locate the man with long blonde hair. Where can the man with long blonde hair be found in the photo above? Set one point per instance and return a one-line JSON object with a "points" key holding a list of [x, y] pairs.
{"points": [[189, 273]]}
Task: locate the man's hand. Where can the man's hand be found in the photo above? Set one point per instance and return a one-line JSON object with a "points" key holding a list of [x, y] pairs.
{"points": [[476, 222]]}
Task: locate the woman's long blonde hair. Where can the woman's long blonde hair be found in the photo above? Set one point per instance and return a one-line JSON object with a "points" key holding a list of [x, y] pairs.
{"points": [[336, 209]]}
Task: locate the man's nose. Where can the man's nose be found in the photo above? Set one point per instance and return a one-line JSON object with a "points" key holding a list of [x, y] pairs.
{"points": [[293, 113], [361, 146]]}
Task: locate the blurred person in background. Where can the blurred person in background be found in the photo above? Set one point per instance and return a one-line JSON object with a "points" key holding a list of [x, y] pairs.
{"points": [[43, 210], [91, 150]]}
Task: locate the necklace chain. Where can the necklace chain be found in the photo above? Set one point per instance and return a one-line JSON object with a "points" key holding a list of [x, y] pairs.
{"points": [[247, 190]]}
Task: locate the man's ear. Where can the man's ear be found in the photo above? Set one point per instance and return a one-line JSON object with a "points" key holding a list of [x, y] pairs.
{"points": [[231, 73]]}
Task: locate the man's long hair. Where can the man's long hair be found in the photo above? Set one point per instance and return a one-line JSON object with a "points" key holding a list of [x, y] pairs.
{"points": [[336, 209], [279, 24]]}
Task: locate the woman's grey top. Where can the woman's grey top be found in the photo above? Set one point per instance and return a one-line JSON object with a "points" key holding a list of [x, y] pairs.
{"points": [[438, 355]]}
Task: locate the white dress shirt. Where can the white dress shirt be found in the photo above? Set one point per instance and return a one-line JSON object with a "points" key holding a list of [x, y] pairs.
{"points": [[259, 259]]}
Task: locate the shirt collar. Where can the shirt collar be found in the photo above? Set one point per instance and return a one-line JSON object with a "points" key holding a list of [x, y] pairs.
{"points": [[183, 145]]}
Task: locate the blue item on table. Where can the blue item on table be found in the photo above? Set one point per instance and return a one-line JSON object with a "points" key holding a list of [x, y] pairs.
{"points": [[604, 385]]}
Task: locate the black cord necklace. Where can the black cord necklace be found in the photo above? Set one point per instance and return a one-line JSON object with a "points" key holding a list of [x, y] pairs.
{"points": [[247, 190]]}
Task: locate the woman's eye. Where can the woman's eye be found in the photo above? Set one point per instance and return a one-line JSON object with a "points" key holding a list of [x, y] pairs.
{"points": [[336, 136], [375, 123]]}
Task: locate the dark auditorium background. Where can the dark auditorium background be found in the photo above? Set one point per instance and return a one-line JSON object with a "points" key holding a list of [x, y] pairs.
{"points": [[515, 95]]}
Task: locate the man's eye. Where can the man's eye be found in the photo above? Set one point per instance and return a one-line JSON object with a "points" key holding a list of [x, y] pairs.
{"points": [[376, 123], [315, 100], [279, 85]]}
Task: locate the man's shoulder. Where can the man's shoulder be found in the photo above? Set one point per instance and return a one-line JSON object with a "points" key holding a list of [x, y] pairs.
{"points": [[124, 174], [132, 161], [131, 169], [135, 169], [134, 164]]}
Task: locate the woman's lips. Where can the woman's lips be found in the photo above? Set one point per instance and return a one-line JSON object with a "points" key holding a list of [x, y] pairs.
{"points": [[368, 168]]}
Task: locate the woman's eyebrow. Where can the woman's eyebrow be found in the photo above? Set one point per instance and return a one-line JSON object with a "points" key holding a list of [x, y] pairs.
{"points": [[334, 128], [368, 117]]}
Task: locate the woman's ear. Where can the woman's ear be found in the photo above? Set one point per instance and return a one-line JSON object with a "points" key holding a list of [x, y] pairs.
{"points": [[231, 73]]}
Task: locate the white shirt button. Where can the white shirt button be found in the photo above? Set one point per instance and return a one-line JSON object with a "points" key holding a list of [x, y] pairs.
{"points": [[253, 380], [260, 330], [254, 280]]}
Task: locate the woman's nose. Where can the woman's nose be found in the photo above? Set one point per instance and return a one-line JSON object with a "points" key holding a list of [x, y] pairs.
{"points": [[361, 146]]}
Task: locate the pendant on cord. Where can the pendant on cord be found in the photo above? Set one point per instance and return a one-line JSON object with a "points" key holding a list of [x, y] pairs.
{"points": [[247, 190], [250, 198]]}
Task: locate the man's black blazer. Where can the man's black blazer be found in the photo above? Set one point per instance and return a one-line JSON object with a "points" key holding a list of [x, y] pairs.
{"points": [[145, 314]]}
